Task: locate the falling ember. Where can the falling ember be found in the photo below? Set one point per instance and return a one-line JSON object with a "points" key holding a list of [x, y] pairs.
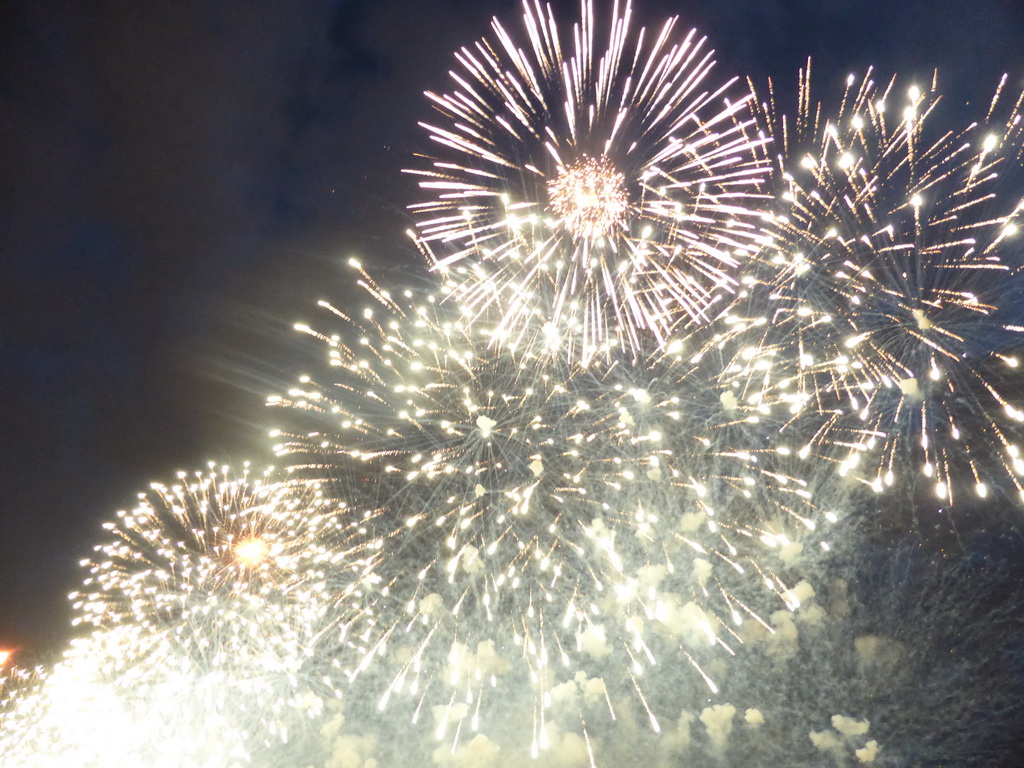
{"points": [[589, 198]]}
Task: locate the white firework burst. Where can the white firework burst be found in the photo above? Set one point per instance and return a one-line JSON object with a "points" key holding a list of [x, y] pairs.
{"points": [[537, 518], [894, 273], [243, 580], [595, 190]]}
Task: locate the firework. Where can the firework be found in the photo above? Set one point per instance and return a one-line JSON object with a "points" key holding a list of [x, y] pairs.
{"points": [[213, 536], [891, 287], [120, 697], [595, 192], [242, 580], [542, 518], [575, 503]]}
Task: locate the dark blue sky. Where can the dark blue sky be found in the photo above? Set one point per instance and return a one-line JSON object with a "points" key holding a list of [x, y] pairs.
{"points": [[178, 182]]}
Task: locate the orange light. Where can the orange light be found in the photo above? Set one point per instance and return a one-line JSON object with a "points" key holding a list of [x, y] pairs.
{"points": [[5, 656]]}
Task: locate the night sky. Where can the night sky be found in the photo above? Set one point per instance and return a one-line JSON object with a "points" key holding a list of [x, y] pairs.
{"points": [[179, 182]]}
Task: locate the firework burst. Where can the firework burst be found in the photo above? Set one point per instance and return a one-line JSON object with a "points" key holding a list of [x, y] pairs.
{"points": [[539, 518], [595, 192], [124, 696], [242, 580], [891, 287], [121, 697]]}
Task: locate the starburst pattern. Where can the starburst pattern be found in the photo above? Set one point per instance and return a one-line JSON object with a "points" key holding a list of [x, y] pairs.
{"points": [[214, 537], [893, 276], [604, 190], [238, 579]]}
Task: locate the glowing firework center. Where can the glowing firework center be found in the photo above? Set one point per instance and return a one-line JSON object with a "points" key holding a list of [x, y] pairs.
{"points": [[589, 198], [252, 551]]}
